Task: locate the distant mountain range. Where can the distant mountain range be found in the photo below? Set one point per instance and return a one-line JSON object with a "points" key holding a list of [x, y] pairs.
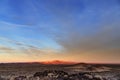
{"points": [[58, 62], [64, 64]]}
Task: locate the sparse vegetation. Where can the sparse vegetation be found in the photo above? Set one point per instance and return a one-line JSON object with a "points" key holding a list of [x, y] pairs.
{"points": [[37, 71]]}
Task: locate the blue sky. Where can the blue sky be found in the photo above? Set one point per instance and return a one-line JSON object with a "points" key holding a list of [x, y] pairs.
{"points": [[45, 28]]}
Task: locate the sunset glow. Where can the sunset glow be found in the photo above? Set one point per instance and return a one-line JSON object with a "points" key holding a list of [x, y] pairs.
{"points": [[60, 31]]}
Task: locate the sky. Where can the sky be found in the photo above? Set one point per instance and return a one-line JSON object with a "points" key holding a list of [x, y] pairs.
{"points": [[66, 30]]}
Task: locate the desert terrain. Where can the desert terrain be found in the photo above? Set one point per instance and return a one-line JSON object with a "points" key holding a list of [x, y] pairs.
{"points": [[39, 71]]}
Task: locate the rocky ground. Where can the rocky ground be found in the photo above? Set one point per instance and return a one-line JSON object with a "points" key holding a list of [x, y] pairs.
{"points": [[58, 72]]}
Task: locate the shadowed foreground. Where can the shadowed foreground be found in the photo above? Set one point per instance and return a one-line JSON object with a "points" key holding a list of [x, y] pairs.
{"points": [[37, 71]]}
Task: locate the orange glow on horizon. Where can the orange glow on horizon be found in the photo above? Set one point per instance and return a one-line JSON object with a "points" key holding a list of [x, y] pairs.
{"points": [[58, 62]]}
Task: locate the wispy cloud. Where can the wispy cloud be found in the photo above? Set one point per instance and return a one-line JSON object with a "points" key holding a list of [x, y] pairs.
{"points": [[25, 49]]}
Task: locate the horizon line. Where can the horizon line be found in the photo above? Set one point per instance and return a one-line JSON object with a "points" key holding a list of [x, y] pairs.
{"points": [[59, 62]]}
